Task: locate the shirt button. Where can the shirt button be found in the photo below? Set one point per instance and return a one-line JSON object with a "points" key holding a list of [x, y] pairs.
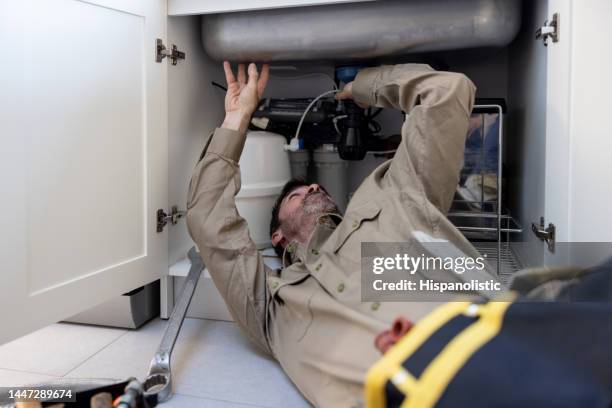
{"points": [[355, 224], [318, 267], [274, 285], [314, 252], [375, 306], [341, 287]]}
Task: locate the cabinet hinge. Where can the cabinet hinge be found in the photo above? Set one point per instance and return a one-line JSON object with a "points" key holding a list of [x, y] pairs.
{"points": [[172, 218], [546, 234], [174, 54], [550, 29]]}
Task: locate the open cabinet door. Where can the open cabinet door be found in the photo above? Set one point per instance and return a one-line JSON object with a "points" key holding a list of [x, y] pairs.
{"points": [[578, 143], [83, 163], [558, 96]]}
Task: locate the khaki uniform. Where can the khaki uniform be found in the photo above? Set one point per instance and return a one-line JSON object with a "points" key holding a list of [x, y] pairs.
{"points": [[310, 316]]}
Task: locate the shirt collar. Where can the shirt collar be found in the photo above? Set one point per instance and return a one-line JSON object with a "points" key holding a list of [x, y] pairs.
{"points": [[325, 225]]}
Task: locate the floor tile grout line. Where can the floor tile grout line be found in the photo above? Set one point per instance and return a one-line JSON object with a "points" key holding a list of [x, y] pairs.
{"points": [[224, 400], [94, 354]]}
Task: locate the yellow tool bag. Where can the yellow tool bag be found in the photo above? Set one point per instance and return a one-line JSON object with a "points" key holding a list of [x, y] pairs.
{"points": [[501, 354]]}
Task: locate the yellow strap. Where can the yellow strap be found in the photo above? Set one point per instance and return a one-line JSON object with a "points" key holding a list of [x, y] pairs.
{"points": [[444, 367], [391, 362], [404, 381]]}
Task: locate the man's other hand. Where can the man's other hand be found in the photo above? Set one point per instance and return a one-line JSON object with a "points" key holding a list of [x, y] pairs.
{"points": [[243, 95], [347, 93]]}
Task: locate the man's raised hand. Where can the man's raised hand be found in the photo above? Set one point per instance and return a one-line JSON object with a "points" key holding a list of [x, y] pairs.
{"points": [[243, 95]]}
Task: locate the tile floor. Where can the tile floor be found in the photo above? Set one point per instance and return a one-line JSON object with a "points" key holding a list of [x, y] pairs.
{"points": [[213, 364]]}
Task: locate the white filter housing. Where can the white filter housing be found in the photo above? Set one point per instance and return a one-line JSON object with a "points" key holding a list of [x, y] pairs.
{"points": [[264, 168]]}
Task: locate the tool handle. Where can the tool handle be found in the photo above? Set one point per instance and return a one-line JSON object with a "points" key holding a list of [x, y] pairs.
{"points": [[180, 308]]}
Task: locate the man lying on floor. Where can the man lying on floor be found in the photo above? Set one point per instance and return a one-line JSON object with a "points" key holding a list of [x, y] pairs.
{"points": [[310, 315]]}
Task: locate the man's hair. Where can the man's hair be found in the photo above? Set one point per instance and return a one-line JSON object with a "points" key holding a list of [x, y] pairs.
{"points": [[275, 222]]}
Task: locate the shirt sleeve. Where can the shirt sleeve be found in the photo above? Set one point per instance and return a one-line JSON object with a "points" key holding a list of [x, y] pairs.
{"points": [[438, 107], [222, 235]]}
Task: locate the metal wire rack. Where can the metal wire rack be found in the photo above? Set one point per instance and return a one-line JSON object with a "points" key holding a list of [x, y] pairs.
{"points": [[509, 262], [477, 210]]}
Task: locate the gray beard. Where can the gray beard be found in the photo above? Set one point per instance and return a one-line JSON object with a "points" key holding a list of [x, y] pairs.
{"points": [[300, 227]]}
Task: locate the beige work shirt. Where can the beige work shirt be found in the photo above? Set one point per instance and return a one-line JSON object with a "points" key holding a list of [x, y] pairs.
{"points": [[310, 316]]}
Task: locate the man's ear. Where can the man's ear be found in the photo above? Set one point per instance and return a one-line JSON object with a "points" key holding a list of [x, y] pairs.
{"points": [[278, 238]]}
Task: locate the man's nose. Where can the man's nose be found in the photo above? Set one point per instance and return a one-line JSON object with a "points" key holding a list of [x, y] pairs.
{"points": [[313, 188]]}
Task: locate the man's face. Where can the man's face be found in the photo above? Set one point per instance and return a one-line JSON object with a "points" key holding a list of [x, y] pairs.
{"points": [[300, 210]]}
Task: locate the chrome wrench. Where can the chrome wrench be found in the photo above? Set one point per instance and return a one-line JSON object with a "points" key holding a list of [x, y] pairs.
{"points": [[159, 380]]}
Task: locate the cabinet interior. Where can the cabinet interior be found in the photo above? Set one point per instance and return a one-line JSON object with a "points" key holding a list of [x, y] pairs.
{"points": [[516, 73]]}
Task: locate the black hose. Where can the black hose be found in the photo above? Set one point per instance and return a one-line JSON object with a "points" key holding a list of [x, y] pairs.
{"points": [[218, 85]]}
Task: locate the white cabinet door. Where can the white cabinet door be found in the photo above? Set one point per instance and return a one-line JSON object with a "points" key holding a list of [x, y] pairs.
{"points": [[579, 131], [558, 102], [83, 162]]}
